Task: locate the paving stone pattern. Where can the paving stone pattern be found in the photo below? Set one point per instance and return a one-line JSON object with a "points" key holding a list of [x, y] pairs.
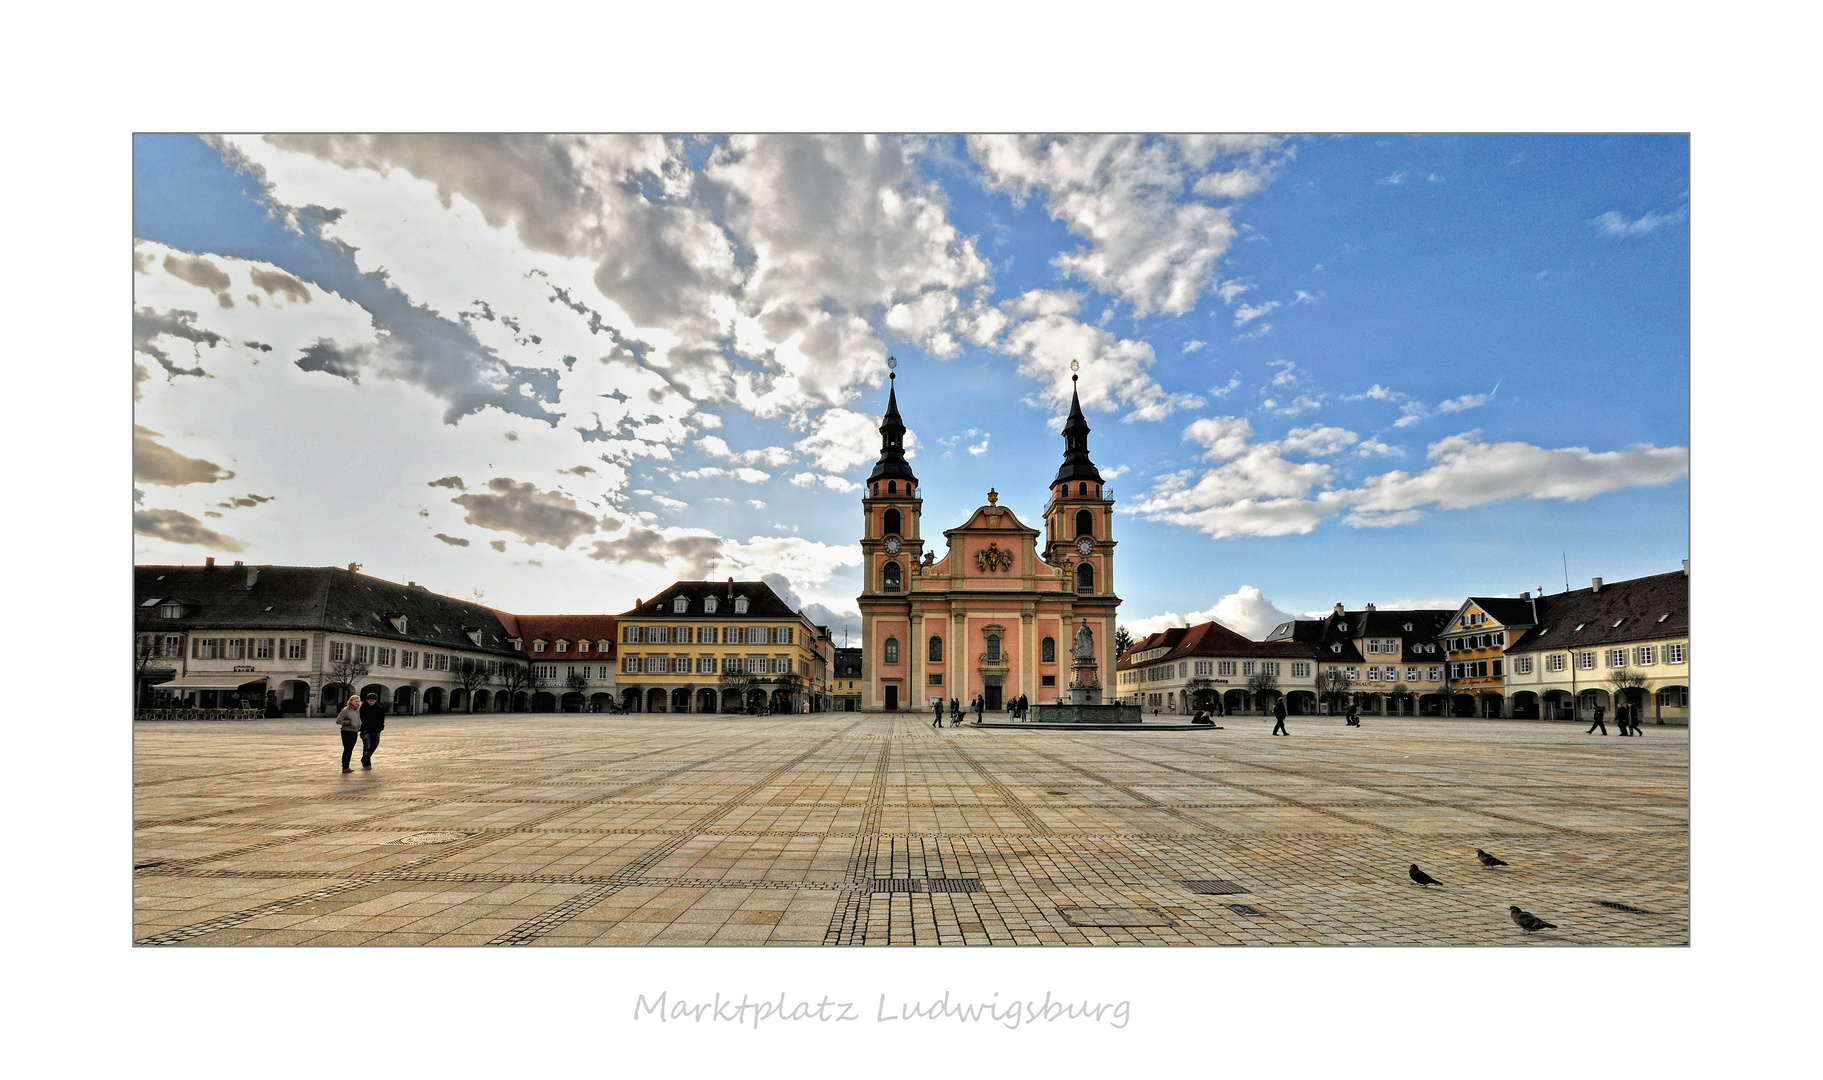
{"points": [[844, 829]]}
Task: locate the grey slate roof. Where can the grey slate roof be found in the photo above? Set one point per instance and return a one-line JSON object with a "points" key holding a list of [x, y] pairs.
{"points": [[1506, 610], [762, 602], [1647, 609], [310, 598]]}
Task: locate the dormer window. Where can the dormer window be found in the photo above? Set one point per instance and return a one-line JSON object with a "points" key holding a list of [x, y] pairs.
{"points": [[1408, 628], [709, 605], [680, 605], [538, 646], [170, 611], [603, 645], [518, 644], [582, 646], [1336, 647], [563, 646], [740, 605]]}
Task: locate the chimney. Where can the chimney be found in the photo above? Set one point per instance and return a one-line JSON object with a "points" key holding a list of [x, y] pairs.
{"points": [[253, 575], [1686, 567], [1339, 609], [1525, 595], [1595, 585], [209, 565], [1370, 609], [411, 584], [237, 562]]}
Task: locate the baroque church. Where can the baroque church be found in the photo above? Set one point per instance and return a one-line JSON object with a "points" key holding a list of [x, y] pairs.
{"points": [[997, 611]]}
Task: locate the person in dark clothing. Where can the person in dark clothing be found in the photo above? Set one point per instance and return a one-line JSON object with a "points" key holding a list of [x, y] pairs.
{"points": [[1278, 711], [1633, 717], [1024, 704], [980, 704], [1201, 717], [1599, 713], [955, 713], [936, 713], [1354, 715], [373, 721], [1622, 720]]}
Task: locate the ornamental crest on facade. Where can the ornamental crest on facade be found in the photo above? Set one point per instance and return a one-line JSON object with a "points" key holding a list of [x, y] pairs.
{"points": [[992, 558]]}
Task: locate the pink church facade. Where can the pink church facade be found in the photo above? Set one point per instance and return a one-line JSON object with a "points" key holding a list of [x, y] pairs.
{"points": [[995, 611]]}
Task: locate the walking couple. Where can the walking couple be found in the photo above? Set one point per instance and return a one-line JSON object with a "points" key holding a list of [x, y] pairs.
{"points": [[364, 722]]}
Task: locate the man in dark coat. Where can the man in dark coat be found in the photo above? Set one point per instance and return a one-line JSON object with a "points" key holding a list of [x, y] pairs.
{"points": [[1278, 711], [980, 704], [936, 706], [373, 721], [1599, 713]]}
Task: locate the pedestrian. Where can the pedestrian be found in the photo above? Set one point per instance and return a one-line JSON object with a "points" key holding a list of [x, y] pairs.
{"points": [[349, 721], [1025, 705], [955, 713], [937, 712], [1278, 711], [1202, 717], [1354, 715], [1633, 715], [980, 704], [373, 721], [1599, 713]]}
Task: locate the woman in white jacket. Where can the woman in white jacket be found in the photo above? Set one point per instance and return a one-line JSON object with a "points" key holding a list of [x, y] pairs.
{"points": [[349, 720]]}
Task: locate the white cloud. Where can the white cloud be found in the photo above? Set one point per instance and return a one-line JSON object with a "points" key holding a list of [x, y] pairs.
{"points": [[1615, 223], [1123, 194], [1394, 180], [842, 439], [1466, 401], [716, 447], [833, 483], [1245, 611], [1256, 491], [1192, 345], [1246, 313], [1114, 371]]}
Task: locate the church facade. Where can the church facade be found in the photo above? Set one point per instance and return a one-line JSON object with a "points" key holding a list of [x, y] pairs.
{"points": [[997, 610]]}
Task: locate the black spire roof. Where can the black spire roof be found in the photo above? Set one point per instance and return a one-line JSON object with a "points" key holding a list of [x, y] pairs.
{"points": [[1076, 463], [892, 464]]}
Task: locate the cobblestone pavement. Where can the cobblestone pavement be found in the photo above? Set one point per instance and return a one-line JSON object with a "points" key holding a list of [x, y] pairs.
{"points": [[856, 829]]}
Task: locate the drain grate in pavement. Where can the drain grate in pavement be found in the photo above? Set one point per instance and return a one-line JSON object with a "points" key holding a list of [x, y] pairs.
{"points": [[1628, 908], [1213, 887], [1248, 910], [434, 837], [1056, 793], [896, 884], [148, 865], [954, 884], [1115, 916]]}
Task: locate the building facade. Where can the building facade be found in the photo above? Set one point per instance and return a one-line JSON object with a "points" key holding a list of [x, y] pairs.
{"points": [[1624, 642], [1475, 643], [848, 680], [1183, 669], [995, 615], [296, 640], [571, 660], [718, 647], [1386, 663]]}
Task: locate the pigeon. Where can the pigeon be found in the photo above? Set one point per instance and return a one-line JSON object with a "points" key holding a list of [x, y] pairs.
{"points": [[1421, 877], [1528, 921], [1488, 860]]}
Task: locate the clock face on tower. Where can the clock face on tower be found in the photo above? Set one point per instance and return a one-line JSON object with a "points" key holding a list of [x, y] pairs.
{"points": [[1084, 545], [892, 545]]}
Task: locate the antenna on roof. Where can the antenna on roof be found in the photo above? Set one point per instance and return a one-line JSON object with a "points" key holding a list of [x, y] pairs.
{"points": [[1566, 571], [709, 574]]}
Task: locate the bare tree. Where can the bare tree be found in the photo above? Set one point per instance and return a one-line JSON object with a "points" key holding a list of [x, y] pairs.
{"points": [[1629, 686], [471, 675], [736, 683], [1335, 682], [1199, 686], [1261, 685], [791, 683], [515, 678], [578, 683], [349, 672]]}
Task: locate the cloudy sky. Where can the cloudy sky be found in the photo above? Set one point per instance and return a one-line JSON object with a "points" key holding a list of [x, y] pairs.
{"points": [[564, 372]]}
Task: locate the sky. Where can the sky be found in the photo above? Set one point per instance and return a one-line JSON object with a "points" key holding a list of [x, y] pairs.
{"points": [[559, 373]]}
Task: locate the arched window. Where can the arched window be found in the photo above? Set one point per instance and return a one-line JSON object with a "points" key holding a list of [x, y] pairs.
{"points": [[1085, 523], [890, 580], [936, 650], [1047, 650], [993, 647], [892, 522], [892, 650], [1085, 578], [892, 487], [1082, 490]]}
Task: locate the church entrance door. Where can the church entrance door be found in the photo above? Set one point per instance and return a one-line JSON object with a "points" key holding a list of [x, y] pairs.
{"points": [[993, 689], [892, 699]]}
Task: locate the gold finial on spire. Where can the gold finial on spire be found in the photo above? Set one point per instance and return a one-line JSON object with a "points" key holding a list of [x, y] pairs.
{"points": [[992, 496]]}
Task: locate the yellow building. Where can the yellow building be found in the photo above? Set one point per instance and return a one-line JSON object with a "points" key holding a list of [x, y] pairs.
{"points": [[720, 647]]}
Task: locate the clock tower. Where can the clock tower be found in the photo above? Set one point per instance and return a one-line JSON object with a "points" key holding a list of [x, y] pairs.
{"points": [[1079, 535], [891, 549]]}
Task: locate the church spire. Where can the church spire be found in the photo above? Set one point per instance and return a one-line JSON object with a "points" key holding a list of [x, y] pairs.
{"points": [[1076, 463], [892, 464]]}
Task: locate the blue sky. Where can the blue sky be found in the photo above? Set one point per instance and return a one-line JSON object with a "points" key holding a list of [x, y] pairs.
{"points": [[1397, 370]]}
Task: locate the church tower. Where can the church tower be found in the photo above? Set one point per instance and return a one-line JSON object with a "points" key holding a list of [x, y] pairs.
{"points": [[891, 547], [1079, 533]]}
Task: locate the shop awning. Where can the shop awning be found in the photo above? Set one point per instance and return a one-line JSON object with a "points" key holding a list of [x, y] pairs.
{"points": [[209, 682]]}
